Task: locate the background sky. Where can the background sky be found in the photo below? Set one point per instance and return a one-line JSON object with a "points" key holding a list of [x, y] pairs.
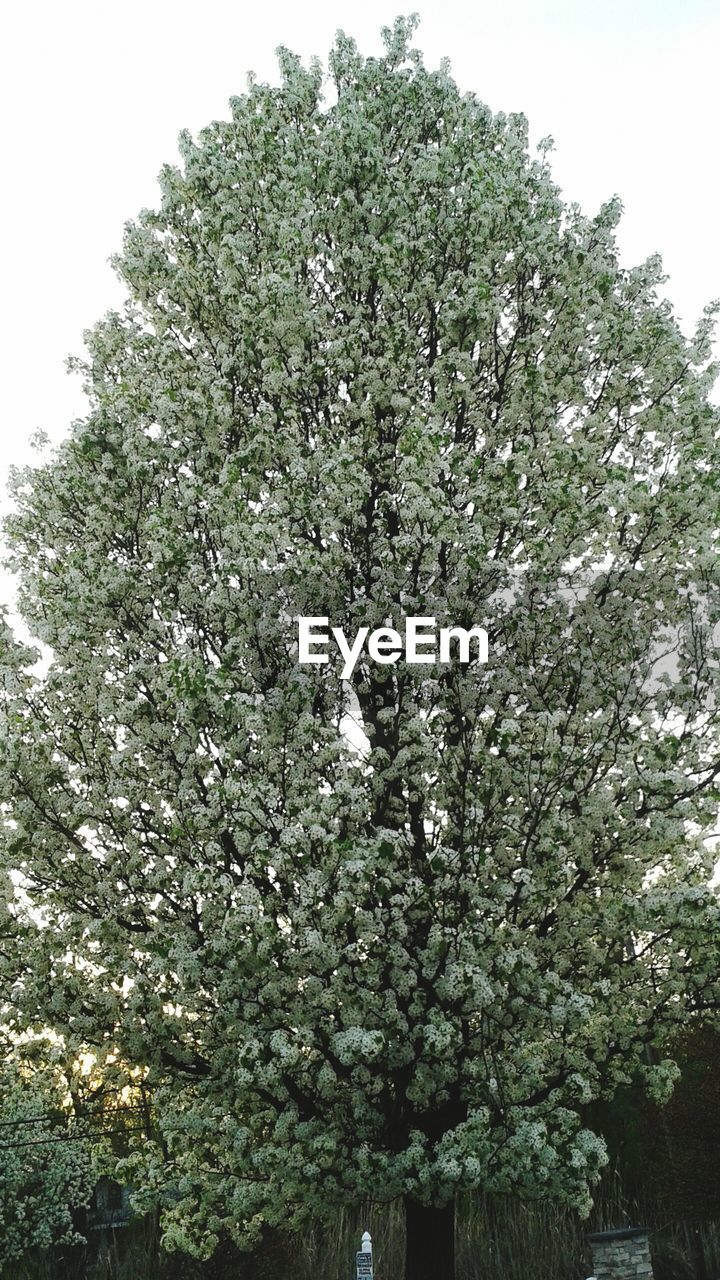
{"points": [[93, 96]]}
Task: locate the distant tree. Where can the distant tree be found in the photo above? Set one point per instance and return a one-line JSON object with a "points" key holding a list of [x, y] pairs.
{"points": [[42, 1178], [382, 937], [670, 1156]]}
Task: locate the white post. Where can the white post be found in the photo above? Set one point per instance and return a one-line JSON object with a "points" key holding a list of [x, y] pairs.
{"points": [[363, 1258]]}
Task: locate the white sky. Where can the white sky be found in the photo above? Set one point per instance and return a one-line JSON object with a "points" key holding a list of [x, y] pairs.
{"points": [[93, 96]]}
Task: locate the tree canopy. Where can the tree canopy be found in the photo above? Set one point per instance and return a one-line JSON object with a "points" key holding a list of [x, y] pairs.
{"points": [[382, 936]]}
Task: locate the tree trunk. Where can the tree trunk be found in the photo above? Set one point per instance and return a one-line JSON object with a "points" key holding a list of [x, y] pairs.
{"points": [[429, 1241]]}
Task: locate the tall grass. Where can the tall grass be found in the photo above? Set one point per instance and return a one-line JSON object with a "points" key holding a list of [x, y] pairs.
{"points": [[497, 1239], [503, 1239]]}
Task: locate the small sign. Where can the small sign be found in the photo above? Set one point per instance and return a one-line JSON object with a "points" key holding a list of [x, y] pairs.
{"points": [[363, 1263]]}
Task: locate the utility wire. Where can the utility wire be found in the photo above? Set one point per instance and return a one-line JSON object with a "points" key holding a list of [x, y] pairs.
{"points": [[76, 1137], [53, 1117]]}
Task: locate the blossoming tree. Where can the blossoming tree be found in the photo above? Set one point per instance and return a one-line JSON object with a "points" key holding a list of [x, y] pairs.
{"points": [[45, 1173], [385, 936]]}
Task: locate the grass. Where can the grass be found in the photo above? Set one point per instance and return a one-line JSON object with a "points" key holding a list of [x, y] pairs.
{"points": [[497, 1239]]}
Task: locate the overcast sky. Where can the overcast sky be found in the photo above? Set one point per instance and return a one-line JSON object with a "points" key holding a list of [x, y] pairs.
{"points": [[94, 95]]}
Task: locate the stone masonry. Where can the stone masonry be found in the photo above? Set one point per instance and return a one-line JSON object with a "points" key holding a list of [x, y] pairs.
{"points": [[621, 1255]]}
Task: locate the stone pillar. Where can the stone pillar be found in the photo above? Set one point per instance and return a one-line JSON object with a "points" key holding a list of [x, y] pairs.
{"points": [[621, 1255]]}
